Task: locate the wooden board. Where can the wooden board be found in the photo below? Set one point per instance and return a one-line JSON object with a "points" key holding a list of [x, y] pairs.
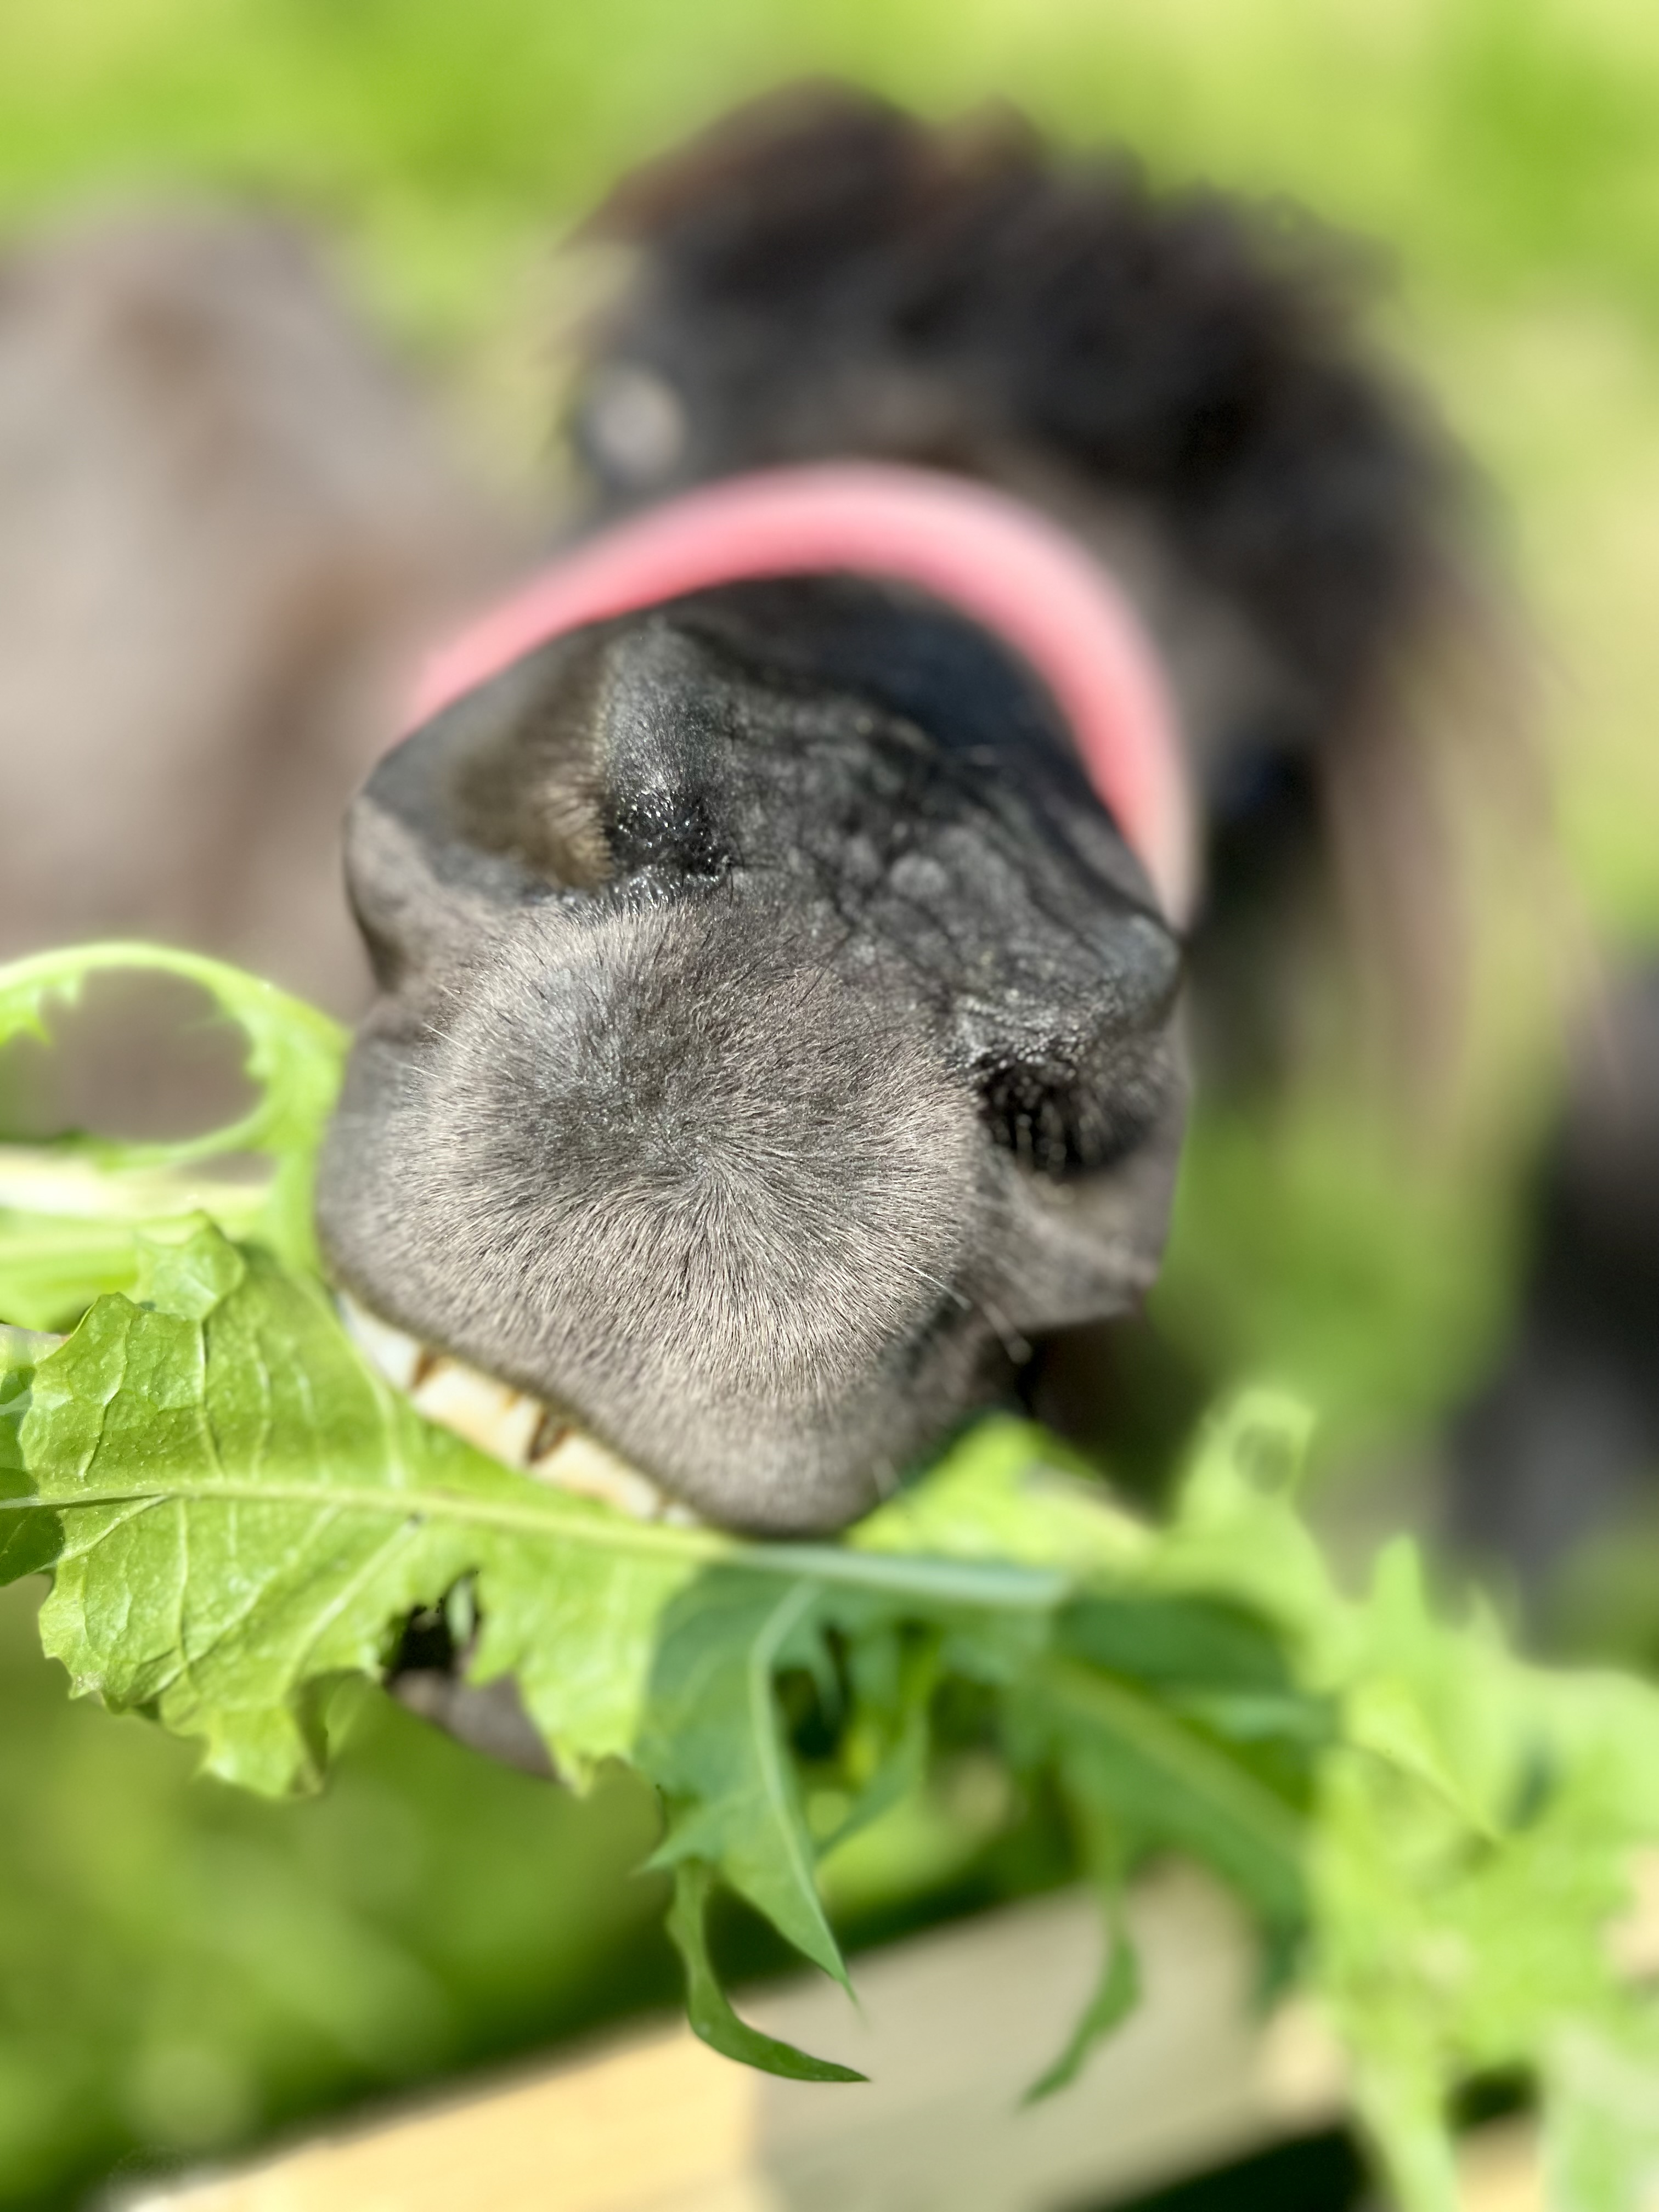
{"points": [[953, 2028]]}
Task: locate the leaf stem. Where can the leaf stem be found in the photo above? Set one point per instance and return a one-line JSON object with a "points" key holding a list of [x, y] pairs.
{"points": [[936, 1581]]}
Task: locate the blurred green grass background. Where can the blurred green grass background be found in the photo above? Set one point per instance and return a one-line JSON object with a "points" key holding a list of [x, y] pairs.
{"points": [[180, 1970]]}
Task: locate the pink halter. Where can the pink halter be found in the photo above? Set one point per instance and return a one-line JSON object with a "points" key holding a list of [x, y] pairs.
{"points": [[974, 548]]}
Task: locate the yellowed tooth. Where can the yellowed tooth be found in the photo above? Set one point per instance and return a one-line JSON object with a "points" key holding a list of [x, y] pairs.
{"points": [[581, 1463], [507, 1424], [492, 1415]]}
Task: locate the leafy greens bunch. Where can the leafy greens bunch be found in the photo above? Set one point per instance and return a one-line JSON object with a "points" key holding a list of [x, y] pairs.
{"points": [[235, 1510]]}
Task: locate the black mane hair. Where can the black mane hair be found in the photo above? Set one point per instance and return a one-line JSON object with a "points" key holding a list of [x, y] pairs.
{"points": [[1182, 376], [1184, 350]]}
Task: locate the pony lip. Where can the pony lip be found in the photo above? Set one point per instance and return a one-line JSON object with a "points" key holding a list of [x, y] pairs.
{"points": [[975, 548]]}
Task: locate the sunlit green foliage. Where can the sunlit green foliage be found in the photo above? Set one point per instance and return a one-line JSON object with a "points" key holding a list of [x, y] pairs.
{"points": [[237, 1512], [186, 1966]]}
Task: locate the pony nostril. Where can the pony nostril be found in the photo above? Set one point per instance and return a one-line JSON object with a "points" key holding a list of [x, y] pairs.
{"points": [[672, 830], [1057, 1122]]}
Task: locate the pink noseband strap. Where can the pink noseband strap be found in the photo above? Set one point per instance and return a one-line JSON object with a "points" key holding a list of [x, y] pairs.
{"points": [[977, 550]]}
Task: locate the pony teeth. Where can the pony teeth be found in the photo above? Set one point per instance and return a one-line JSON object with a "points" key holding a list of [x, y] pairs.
{"points": [[499, 1420], [581, 1463], [509, 1424]]}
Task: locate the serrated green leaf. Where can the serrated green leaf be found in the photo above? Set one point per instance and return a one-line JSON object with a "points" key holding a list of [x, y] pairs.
{"points": [[70, 1215], [245, 1508], [713, 1742], [238, 1510], [708, 2007], [1473, 1842], [242, 1511], [207, 1569], [71, 1226]]}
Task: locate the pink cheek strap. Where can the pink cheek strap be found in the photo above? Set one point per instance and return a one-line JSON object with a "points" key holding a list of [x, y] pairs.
{"points": [[975, 548]]}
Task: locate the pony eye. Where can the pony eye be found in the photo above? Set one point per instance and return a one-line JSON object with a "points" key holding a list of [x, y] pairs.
{"points": [[1056, 1124], [634, 424]]}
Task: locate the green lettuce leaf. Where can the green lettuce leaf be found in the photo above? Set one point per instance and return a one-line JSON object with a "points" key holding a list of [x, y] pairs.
{"points": [[1470, 1842], [71, 1214], [715, 1747], [235, 1510], [707, 2005]]}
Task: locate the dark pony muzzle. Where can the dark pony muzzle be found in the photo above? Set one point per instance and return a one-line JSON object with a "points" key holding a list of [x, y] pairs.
{"points": [[770, 913]]}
